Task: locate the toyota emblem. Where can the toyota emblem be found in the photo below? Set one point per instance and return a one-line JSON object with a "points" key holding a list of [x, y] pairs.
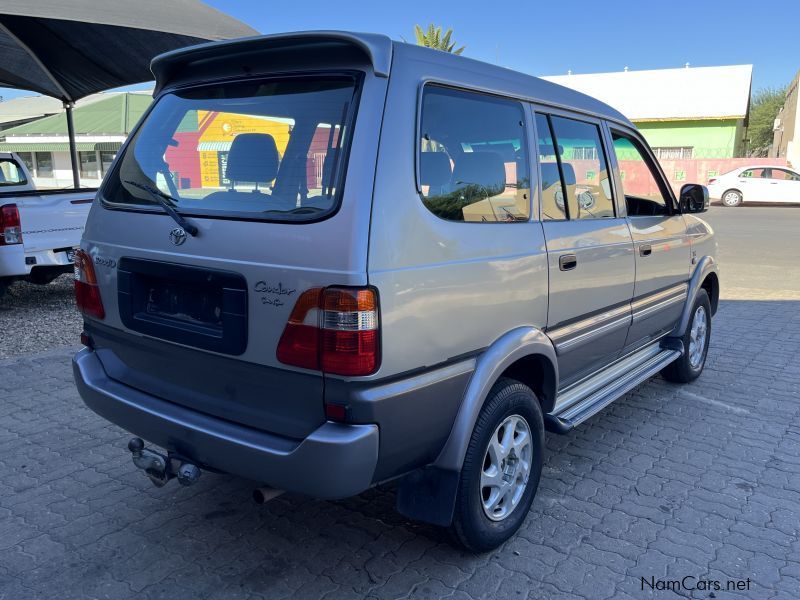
{"points": [[177, 236]]}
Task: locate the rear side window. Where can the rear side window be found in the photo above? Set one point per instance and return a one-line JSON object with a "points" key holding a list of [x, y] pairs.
{"points": [[581, 188], [784, 175], [473, 158], [11, 173], [273, 150], [757, 173]]}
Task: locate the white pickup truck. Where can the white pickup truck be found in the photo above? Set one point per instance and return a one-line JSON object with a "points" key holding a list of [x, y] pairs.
{"points": [[39, 230]]}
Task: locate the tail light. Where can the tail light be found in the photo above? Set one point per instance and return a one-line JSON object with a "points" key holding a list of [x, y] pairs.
{"points": [[712, 180], [334, 330], [10, 229], [349, 331], [87, 292], [299, 345]]}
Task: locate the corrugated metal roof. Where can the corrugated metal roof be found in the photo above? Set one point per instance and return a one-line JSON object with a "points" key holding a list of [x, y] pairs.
{"points": [[33, 107], [112, 115], [58, 146], [669, 94]]}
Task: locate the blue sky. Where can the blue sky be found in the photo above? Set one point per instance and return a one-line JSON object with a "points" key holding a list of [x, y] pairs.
{"points": [[548, 38]]}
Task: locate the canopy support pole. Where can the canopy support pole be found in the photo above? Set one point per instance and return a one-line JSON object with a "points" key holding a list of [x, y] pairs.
{"points": [[73, 150]]}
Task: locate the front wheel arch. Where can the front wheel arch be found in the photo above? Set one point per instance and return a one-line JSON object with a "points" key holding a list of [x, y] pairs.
{"points": [[711, 286], [701, 279]]}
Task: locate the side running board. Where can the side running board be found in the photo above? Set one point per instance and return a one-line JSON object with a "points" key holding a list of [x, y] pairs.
{"points": [[565, 419]]}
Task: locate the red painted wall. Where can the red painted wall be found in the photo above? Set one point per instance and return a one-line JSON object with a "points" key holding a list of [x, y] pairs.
{"points": [[185, 159]]}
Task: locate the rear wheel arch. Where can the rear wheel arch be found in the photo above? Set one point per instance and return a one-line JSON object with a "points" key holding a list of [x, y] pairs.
{"points": [[488, 509], [538, 373], [525, 354]]}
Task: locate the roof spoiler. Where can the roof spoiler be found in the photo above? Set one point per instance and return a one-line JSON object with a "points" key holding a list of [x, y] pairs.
{"points": [[213, 58]]}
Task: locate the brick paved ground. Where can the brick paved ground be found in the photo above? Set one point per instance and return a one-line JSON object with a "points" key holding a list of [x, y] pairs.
{"points": [[701, 480]]}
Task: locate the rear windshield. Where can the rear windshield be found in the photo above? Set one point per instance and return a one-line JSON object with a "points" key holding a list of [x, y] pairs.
{"points": [[272, 150]]}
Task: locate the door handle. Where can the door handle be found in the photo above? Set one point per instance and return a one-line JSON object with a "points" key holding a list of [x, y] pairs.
{"points": [[567, 262], [645, 250]]}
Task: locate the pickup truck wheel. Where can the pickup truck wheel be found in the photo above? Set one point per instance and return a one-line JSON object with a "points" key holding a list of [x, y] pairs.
{"points": [[732, 198], [695, 344], [3, 287], [501, 468]]}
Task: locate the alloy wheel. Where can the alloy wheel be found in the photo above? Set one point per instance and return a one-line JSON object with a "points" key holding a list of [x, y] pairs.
{"points": [[697, 337], [506, 468]]}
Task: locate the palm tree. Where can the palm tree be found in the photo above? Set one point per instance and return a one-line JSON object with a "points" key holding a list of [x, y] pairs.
{"points": [[433, 38]]}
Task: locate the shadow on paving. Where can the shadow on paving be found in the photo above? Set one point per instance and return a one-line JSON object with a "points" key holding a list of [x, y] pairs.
{"points": [[670, 481]]}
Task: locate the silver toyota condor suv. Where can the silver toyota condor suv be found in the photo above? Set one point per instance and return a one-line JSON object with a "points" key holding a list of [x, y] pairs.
{"points": [[327, 260]]}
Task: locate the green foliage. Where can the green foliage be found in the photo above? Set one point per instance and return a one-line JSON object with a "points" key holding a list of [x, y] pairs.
{"points": [[764, 106], [450, 205], [433, 38]]}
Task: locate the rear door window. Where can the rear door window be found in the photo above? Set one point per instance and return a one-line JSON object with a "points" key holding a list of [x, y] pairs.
{"points": [[581, 188], [554, 202], [272, 150], [784, 175], [473, 157]]}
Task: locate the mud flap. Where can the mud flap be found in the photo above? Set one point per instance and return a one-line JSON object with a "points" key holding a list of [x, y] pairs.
{"points": [[428, 495]]}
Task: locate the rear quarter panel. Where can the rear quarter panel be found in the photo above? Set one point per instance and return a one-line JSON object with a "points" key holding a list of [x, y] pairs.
{"points": [[446, 288]]}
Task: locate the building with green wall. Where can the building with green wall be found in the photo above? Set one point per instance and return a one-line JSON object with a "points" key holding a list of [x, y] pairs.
{"points": [[692, 112], [102, 123]]}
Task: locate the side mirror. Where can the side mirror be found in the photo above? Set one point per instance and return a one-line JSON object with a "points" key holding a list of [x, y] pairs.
{"points": [[694, 198]]}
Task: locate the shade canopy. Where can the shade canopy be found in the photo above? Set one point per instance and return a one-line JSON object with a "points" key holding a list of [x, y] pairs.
{"points": [[69, 49]]}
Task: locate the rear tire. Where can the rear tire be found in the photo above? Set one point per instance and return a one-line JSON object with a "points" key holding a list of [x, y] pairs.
{"points": [[695, 344], [732, 198], [4, 285], [501, 468]]}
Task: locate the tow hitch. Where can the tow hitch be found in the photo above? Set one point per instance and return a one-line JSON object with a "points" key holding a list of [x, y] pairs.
{"points": [[159, 468]]}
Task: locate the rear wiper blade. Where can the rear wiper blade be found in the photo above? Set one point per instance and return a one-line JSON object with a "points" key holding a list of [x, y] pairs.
{"points": [[164, 200]]}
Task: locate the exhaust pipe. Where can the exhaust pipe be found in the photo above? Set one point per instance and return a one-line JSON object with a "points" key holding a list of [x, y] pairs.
{"points": [[264, 494]]}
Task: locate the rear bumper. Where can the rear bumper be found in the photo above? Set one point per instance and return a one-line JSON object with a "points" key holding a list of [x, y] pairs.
{"points": [[335, 461], [12, 261], [15, 261]]}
